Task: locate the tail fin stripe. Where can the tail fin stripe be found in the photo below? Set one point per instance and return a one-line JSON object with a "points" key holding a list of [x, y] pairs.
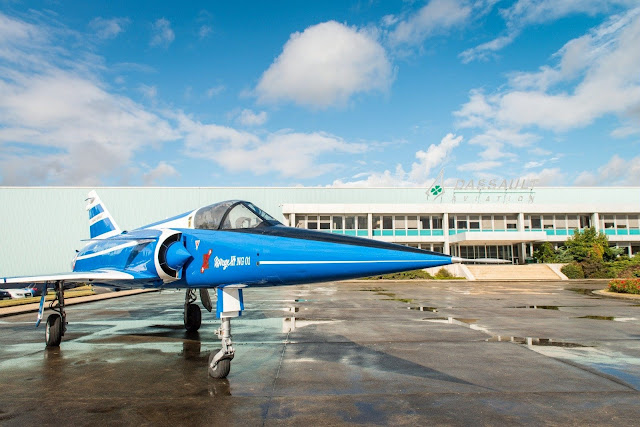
{"points": [[96, 210], [101, 227], [101, 223]]}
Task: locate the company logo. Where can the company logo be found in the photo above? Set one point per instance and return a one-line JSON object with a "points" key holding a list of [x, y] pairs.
{"points": [[437, 188], [497, 190]]}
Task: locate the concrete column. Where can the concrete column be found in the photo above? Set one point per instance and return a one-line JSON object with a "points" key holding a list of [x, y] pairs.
{"points": [[370, 222], [292, 220], [595, 221], [445, 231]]}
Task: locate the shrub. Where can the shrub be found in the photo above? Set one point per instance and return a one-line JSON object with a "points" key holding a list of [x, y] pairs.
{"points": [[443, 273], [573, 271], [628, 286]]}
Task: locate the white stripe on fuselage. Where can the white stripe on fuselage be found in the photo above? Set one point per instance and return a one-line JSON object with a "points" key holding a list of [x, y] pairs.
{"points": [[109, 250], [339, 262]]}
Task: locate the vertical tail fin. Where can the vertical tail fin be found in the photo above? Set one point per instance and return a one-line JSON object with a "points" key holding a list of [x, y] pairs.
{"points": [[101, 223]]}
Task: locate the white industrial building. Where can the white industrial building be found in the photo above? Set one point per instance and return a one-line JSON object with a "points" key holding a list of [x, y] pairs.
{"points": [[40, 227]]}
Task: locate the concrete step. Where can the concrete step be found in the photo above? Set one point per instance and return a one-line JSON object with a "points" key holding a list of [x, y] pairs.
{"points": [[513, 272]]}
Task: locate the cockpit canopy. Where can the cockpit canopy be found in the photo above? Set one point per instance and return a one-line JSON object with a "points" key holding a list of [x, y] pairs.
{"points": [[232, 215]]}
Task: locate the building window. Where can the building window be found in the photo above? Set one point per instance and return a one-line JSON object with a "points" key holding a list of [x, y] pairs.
{"points": [[621, 222], [425, 223], [547, 222], [301, 221], [633, 222], [462, 223], [350, 223], [487, 223], [474, 222], [585, 221], [437, 248], [412, 222], [400, 223], [387, 223], [452, 222], [337, 223], [573, 222], [536, 222], [499, 223], [377, 222], [608, 221], [362, 223], [312, 222], [561, 222], [512, 222], [436, 222], [325, 223]]}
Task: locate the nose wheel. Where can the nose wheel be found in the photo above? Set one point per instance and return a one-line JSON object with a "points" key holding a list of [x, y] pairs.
{"points": [[220, 362], [229, 304]]}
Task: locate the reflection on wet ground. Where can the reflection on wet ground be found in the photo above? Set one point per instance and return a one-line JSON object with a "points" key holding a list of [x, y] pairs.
{"points": [[336, 353], [535, 341]]}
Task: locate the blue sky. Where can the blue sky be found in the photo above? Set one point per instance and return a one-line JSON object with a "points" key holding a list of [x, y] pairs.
{"points": [[331, 93]]}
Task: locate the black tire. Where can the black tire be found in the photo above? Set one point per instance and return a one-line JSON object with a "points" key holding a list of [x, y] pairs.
{"points": [[222, 368], [53, 332], [192, 318]]}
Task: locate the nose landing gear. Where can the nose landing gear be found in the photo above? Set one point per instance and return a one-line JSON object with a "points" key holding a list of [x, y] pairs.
{"points": [[229, 304]]}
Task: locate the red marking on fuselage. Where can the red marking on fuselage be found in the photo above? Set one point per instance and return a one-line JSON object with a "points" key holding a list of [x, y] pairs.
{"points": [[205, 261]]}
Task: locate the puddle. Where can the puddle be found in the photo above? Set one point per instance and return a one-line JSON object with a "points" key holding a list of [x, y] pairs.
{"points": [[610, 318], [547, 342], [424, 308], [583, 291], [451, 320], [539, 307], [404, 300]]}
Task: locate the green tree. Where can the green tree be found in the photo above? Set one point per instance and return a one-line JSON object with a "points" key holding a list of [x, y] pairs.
{"points": [[545, 253], [590, 244]]}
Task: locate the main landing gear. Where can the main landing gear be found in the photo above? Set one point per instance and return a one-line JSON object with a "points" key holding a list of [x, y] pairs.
{"points": [[192, 313], [57, 322]]}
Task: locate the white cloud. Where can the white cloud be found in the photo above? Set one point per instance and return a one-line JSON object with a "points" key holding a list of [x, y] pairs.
{"points": [[58, 123], [595, 75], [524, 13], [325, 65], [617, 171], [249, 118], [204, 31], [148, 91], [108, 28], [290, 154], [479, 166], [552, 177], [163, 35], [161, 172], [436, 16], [215, 90], [418, 175]]}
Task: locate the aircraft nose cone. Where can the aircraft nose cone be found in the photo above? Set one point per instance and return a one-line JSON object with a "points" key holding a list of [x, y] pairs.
{"points": [[177, 255]]}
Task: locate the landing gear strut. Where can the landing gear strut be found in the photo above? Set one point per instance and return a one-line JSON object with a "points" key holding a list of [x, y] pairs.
{"points": [[229, 304], [192, 314], [220, 362], [57, 322]]}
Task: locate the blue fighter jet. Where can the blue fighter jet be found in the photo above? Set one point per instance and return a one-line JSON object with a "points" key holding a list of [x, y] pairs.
{"points": [[227, 246]]}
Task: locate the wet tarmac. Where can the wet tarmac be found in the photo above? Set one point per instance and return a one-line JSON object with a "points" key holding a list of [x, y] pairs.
{"points": [[372, 353]]}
